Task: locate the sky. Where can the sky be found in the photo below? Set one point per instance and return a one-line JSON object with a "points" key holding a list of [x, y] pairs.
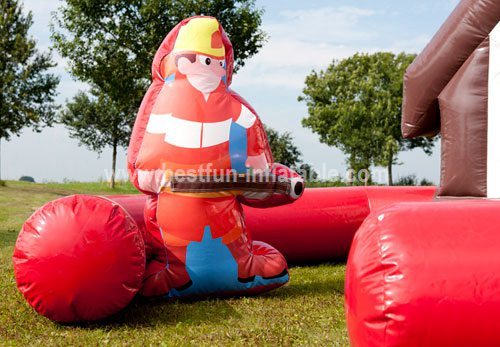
{"points": [[303, 36]]}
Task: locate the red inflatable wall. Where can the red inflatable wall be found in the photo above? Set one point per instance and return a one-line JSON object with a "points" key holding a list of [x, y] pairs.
{"points": [[426, 274], [319, 226]]}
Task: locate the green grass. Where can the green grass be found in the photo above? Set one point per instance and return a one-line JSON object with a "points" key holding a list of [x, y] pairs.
{"points": [[307, 312]]}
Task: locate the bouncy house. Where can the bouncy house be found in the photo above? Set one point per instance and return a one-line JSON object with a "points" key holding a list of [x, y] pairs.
{"points": [[423, 269], [428, 273]]}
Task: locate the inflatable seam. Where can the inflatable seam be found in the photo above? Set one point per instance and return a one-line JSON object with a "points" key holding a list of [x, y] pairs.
{"points": [[141, 241], [384, 291]]}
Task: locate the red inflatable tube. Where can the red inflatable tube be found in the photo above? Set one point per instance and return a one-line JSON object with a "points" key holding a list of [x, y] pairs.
{"points": [[83, 258], [319, 226], [79, 258], [426, 274]]}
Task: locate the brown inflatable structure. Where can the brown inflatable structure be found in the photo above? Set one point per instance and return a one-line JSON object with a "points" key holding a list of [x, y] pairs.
{"points": [[453, 88]]}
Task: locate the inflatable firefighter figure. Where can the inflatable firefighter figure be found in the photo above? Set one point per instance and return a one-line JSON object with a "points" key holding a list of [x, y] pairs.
{"points": [[192, 125]]}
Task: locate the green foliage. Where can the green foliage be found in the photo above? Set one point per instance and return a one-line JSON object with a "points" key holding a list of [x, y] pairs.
{"points": [[355, 105], [426, 182], [27, 179], [287, 153], [307, 172], [112, 43], [333, 182], [27, 91], [283, 148], [95, 121], [409, 180]]}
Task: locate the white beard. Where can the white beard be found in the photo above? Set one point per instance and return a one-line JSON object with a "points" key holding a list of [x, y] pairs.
{"points": [[204, 83]]}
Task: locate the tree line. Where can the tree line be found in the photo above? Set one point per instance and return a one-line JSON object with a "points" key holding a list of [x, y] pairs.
{"points": [[355, 104]]}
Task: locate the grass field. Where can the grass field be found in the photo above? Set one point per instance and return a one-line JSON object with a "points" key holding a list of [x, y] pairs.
{"points": [[308, 312]]}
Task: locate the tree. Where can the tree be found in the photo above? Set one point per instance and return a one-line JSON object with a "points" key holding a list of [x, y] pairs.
{"points": [[96, 123], [307, 172], [426, 182], [287, 153], [355, 105], [409, 180], [283, 148], [27, 90], [110, 45]]}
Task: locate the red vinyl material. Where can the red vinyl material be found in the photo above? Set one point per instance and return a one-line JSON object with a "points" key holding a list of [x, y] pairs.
{"points": [[83, 258], [426, 274], [317, 227], [79, 258], [321, 225]]}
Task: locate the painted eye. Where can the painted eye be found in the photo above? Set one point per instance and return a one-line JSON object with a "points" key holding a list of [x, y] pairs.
{"points": [[221, 63], [205, 60]]}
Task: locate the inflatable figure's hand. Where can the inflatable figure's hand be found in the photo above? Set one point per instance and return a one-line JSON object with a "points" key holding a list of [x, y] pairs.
{"points": [[260, 200], [296, 181], [297, 189], [257, 162], [152, 181]]}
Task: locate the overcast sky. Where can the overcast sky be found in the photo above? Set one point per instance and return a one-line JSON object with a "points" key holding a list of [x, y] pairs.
{"points": [[303, 35]]}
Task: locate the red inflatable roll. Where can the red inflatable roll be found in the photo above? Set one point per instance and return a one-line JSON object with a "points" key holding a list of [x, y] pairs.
{"points": [[319, 226], [79, 258], [426, 274]]}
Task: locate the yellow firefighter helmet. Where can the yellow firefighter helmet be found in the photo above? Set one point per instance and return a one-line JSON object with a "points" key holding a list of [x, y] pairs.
{"points": [[200, 35]]}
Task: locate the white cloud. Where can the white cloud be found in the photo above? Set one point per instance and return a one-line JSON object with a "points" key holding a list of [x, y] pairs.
{"points": [[41, 11], [302, 40], [410, 45], [327, 24], [285, 64]]}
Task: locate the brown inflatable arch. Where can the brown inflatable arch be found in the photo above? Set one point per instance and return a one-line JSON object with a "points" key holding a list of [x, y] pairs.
{"points": [[449, 89]]}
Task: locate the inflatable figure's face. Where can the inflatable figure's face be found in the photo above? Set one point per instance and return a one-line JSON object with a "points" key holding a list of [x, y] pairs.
{"points": [[203, 72], [198, 54]]}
